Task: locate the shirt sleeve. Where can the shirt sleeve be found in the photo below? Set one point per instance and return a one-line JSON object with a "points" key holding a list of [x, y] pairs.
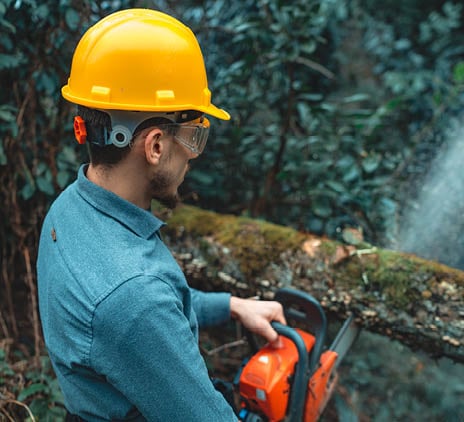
{"points": [[210, 308], [144, 345]]}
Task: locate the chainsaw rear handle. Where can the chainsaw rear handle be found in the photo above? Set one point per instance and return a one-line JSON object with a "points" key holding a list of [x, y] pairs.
{"points": [[304, 308], [301, 375]]}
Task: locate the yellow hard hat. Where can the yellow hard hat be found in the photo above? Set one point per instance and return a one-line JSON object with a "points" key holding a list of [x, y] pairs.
{"points": [[140, 60]]}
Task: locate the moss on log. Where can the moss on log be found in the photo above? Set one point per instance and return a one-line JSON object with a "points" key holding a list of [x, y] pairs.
{"points": [[416, 301]]}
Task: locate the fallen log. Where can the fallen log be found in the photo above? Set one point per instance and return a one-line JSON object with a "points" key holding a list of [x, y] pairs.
{"points": [[415, 301]]}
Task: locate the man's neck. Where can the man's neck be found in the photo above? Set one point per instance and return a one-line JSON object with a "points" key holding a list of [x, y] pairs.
{"points": [[122, 180]]}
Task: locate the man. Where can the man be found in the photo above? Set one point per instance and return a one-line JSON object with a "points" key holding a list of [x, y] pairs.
{"points": [[119, 321]]}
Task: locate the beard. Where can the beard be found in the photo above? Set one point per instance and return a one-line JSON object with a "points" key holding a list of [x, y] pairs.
{"points": [[161, 187]]}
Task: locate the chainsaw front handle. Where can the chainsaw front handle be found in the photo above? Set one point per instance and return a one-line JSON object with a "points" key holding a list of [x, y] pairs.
{"points": [[304, 308], [301, 375]]}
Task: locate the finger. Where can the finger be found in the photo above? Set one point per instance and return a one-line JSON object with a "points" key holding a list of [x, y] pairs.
{"points": [[279, 315], [278, 343], [269, 333], [282, 319]]}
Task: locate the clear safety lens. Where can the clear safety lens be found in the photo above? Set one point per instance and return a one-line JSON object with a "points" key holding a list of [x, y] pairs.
{"points": [[192, 135]]}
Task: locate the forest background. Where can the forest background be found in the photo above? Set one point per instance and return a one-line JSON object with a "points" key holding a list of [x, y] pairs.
{"points": [[339, 110]]}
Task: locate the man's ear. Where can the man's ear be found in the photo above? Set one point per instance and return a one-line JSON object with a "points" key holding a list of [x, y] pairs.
{"points": [[153, 146]]}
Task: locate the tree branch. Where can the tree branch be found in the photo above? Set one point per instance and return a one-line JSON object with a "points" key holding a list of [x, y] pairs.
{"points": [[399, 295]]}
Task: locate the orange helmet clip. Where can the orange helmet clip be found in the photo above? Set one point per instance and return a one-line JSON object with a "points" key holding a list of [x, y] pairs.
{"points": [[80, 131]]}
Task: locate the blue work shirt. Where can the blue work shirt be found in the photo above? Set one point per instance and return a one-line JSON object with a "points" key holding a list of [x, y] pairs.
{"points": [[119, 320]]}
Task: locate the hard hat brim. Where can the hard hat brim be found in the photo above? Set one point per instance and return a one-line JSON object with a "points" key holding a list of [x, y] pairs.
{"points": [[211, 109], [214, 111]]}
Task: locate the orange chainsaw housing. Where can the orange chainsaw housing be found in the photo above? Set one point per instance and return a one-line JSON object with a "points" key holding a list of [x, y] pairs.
{"points": [[265, 381]]}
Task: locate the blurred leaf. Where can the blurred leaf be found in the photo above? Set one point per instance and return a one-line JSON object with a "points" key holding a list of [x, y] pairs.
{"points": [[7, 113], [45, 82], [63, 178], [352, 236], [31, 390], [56, 395], [27, 191], [72, 19], [371, 162], [7, 25], [3, 159], [356, 98], [351, 173], [304, 111], [458, 73], [321, 207], [8, 61], [45, 185], [335, 186], [201, 178], [402, 44]]}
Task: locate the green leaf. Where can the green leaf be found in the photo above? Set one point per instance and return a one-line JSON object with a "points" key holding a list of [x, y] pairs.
{"points": [[45, 82], [371, 163], [45, 185], [321, 207], [72, 19], [31, 390], [6, 370], [351, 173], [27, 191], [3, 159], [7, 113], [458, 73], [310, 97], [39, 408], [356, 98], [335, 186], [202, 178], [304, 112], [56, 396], [9, 61], [402, 44], [8, 26], [62, 178], [66, 157]]}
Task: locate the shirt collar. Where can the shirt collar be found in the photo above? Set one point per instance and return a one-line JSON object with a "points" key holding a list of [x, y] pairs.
{"points": [[140, 221]]}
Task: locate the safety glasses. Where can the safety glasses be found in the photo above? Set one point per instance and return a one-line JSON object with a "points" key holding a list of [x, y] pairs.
{"points": [[192, 135]]}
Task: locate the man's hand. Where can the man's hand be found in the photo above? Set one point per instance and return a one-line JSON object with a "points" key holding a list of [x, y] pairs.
{"points": [[257, 315]]}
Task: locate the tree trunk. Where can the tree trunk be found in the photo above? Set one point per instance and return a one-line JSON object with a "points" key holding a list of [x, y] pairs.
{"points": [[416, 301]]}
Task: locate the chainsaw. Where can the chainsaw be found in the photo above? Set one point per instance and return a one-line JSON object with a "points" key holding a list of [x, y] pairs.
{"points": [[294, 380]]}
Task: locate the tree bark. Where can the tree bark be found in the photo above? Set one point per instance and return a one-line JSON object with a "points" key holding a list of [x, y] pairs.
{"points": [[399, 295]]}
